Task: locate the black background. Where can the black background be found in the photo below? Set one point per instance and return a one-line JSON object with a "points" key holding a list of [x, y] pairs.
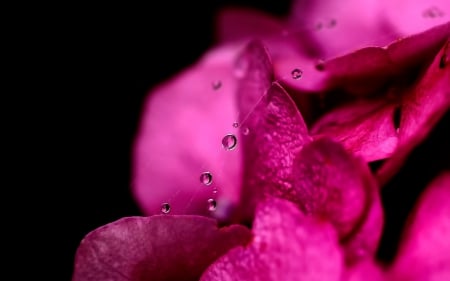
{"points": [[104, 60]]}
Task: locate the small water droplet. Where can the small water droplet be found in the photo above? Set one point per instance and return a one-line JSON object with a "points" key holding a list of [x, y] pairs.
{"points": [[433, 12], [241, 67], [229, 141], [245, 131], [165, 208], [296, 73], [206, 178], [331, 23], [320, 65], [217, 84], [319, 25], [212, 204], [215, 190], [235, 124], [443, 61]]}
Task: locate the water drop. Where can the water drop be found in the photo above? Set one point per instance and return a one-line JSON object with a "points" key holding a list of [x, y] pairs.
{"points": [[443, 61], [165, 208], [331, 23], [296, 73], [212, 204], [432, 12], [229, 141], [215, 190], [245, 131], [320, 65], [319, 25], [241, 66], [217, 84], [235, 124], [206, 178]]}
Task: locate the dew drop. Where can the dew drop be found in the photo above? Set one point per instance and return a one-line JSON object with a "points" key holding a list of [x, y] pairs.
{"points": [[206, 178], [432, 12], [217, 84], [245, 131], [320, 65], [235, 124], [331, 23], [296, 73], [212, 204], [165, 208], [215, 190], [229, 141]]}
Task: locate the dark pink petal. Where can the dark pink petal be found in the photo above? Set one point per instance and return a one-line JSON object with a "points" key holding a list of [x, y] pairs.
{"points": [[335, 27], [272, 131], [365, 128], [183, 122], [287, 245], [425, 247], [330, 182], [235, 24], [154, 248], [409, 17], [424, 104]]}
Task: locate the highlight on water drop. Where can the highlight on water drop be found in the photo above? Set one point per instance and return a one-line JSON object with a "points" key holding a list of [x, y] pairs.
{"points": [[296, 73], [206, 178], [165, 208], [212, 204], [229, 141]]}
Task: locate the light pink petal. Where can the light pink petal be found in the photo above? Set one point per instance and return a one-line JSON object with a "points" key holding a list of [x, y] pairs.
{"points": [[365, 128], [424, 105], [335, 27], [330, 182], [287, 245], [154, 248], [237, 23], [425, 246], [180, 137], [409, 17]]}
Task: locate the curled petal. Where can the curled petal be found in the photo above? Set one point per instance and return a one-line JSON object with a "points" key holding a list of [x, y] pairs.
{"points": [[149, 248], [287, 245]]}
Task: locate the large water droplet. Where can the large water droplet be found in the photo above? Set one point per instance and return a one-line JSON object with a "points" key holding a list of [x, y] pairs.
{"points": [[235, 124], [217, 84], [212, 204], [206, 178], [229, 141], [165, 208], [296, 73]]}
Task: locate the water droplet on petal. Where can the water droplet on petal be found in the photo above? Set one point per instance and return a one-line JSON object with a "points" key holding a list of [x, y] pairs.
{"points": [[443, 61], [229, 141], [212, 205], [433, 12], [217, 84], [296, 73], [331, 23], [320, 65], [241, 67], [319, 25], [235, 124], [206, 178], [245, 131], [215, 190], [165, 208]]}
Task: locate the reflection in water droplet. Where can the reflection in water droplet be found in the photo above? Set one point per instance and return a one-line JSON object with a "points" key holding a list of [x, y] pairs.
{"points": [[215, 190], [165, 208], [206, 178], [296, 73], [245, 131], [235, 124], [217, 84], [212, 205], [229, 141]]}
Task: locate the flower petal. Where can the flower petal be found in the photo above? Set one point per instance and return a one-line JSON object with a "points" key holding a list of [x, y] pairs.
{"points": [[331, 183], [424, 252], [183, 122], [150, 248], [287, 245]]}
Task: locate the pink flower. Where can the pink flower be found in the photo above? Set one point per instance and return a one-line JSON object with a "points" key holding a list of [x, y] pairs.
{"points": [[275, 129]]}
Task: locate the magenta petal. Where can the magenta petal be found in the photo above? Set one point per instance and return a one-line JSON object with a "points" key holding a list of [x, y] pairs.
{"points": [[273, 131], [364, 128], [330, 182], [368, 270], [287, 245], [425, 247], [179, 137], [154, 248]]}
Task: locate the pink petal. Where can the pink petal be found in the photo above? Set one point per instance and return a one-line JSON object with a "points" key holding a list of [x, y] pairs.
{"points": [[276, 131], [182, 125], [425, 247], [365, 128], [331, 183], [367, 270], [409, 17], [423, 106], [154, 248], [287, 245]]}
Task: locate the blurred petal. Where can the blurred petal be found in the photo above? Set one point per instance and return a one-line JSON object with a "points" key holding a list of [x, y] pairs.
{"points": [[150, 248], [287, 245], [182, 125], [409, 17], [331, 183], [425, 248]]}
